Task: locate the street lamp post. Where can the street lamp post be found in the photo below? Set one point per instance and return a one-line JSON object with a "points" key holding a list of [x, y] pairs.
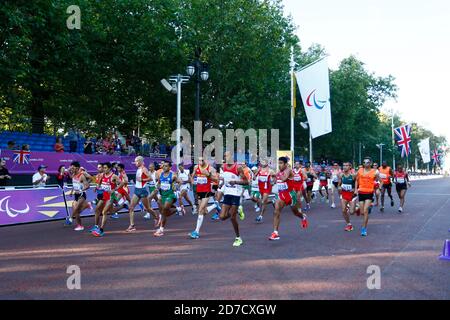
{"points": [[175, 87], [305, 125], [200, 70], [380, 146]]}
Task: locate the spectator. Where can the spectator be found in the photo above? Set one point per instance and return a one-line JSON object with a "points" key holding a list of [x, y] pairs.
{"points": [[40, 178], [136, 142], [73, 140], [62, 176], [89, 146], [59, 147], [11, 145], [4, 173], [99, 145], [26, 147]]}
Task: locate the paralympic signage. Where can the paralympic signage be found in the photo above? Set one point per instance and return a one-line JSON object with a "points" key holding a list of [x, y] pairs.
{"points": [[53, 160], [43, 204]]}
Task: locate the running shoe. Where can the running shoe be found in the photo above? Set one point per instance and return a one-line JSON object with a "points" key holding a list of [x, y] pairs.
{"points": [[194, 210], [255, 206], [115, 216], [98, 233], [349, 228], [241, 213], [400, 210], [147, 216], [274, 236], [363, 232], [156, 223], [381, 209], [125, 206], [131, 229], [158, 233], [392, 202], [304, 221], [93, 229], [79, 228], [237, 242], [333, 206], [183, 211], [68, 221], [194, 235], [218, 207], [259, 219], [258, 209], [215, 217], [142, 207]]}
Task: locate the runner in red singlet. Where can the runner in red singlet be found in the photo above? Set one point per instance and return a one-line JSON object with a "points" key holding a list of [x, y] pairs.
{"points": [[265, 178]]}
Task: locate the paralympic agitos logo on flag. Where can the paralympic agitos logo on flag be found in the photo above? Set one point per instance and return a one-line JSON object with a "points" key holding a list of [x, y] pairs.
{"points": [[319, 104]]}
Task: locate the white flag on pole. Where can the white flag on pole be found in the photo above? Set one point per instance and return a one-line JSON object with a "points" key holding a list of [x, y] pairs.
{"points": [[314, 84], [424, 148]]}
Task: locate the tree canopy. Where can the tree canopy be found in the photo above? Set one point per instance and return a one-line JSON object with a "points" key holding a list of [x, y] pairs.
{"points": [[107, 74]]}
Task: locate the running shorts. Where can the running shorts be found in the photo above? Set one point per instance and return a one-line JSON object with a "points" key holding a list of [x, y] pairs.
{"points": [[171, 198], [141, 193], [289, 198], [336, 184], [387, 185], [347, 195], [309, 188], [231, 200], [256, 194], [401, 186], [365, 196], [80, 195], [203, 195]]}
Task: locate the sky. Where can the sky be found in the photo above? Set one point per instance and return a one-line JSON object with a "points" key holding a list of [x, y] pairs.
{"points": [[409, 39]]}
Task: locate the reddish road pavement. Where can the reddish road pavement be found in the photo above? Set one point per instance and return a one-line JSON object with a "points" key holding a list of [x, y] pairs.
{"points": [[322, 262]]}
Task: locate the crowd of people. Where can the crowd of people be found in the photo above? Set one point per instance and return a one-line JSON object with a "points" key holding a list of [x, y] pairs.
{"points": [[221, 190]]}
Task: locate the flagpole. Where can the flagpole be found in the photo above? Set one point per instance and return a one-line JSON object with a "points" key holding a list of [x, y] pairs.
{"points": [[393, 140], [292, 100]]}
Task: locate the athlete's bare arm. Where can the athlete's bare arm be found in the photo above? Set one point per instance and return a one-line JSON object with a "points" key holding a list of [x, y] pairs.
{"points": [[124, 182], [85, 183], [145, 171]]}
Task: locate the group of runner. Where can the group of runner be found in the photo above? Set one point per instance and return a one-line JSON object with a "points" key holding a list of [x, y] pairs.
{"points": [[221, 189]]}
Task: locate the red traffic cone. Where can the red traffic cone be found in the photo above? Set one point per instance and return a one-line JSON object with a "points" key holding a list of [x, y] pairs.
{"points": [[446, 251]]}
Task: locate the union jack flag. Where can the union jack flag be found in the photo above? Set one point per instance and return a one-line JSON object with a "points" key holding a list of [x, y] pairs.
{"points": [[403, 139], [21, 157], [436, 157]]}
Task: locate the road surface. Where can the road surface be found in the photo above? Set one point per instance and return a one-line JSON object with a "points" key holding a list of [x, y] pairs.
{"points": [[322, 262]]}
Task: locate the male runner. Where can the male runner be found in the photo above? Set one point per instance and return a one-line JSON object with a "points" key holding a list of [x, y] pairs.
{"points": [[265, 177], [365, 188], [185, 187], [286, 197], [256, 195], [386, 175], [153, 192], [123, 192], [80, 186], [140, 193], [166, 180], [346, 188], [204, 174], [299, 180], [218, 194], [246, 187], [377, 187], [109, 183], [402, 183], [323, 179], [335, 174], [310, 179], [233, 178]]}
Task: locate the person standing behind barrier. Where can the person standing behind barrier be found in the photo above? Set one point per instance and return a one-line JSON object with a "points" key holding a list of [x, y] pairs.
{"points": [[62, 176], [40, 178], [4, 173]]}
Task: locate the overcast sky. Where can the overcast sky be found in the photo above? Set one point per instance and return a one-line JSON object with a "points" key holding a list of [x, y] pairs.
{"points": [[409, 39]]}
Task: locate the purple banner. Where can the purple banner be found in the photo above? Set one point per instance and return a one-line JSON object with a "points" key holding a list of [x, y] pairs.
{"points": [[29, 164], [46, 204]]}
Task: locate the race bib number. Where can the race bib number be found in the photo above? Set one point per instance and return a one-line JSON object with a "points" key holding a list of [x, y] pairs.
{"points": [[202, 180], [347, 187], [308, 180], [297, 179], [323, 178], [165, 186], [383, 176], [262, 178], [400, 180], [77, 186], [282, 186], [335, 179], [106, 187]]}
